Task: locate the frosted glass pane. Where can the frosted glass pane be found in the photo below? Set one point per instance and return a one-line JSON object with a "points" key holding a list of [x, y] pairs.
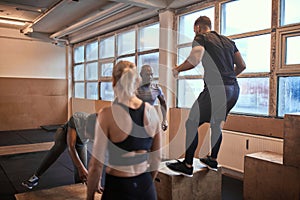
{"points": [[92, 71], [148, 38], [151, 59], [107, 93], [126, 43], [92, 51], [254, 96], [79, 90], [244, 16], [188, 91], [78, 72], [290, 12], [292, 50], [106, 69], [107, 47], [79, 54], [92, 90], [186, 24], [256, 52], [289, 95]]}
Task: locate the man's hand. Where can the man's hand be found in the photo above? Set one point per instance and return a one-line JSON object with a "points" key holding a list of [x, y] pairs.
{"points": [[175, 72], [100, 189], [164, 125], [83, 175]]}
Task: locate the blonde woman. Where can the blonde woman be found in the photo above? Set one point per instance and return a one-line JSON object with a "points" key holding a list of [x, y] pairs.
{"points": [[129, 131]]}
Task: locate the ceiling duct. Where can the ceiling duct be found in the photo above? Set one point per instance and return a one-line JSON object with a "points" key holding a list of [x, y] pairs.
{"points": [[131, 19], [29, 27], [120, 7]]}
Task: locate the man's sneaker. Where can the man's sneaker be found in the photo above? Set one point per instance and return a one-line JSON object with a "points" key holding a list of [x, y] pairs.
{"points": [[31, 182], [210, 163], [181, 168]]}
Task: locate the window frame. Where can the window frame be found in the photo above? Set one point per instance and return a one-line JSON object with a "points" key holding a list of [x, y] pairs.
{"points": [[283, 34], [113, 59]]}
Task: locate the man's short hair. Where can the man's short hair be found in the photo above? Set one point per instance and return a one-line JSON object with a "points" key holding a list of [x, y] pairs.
{"points": [[203, 21], [143, 68]]}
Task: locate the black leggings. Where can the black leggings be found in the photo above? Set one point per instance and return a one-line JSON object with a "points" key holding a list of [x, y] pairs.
{"points": [[129, 188], [212, 105], [60, 144]]}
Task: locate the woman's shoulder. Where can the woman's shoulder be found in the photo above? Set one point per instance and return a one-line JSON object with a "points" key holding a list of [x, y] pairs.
{"points": [[105, 111]]}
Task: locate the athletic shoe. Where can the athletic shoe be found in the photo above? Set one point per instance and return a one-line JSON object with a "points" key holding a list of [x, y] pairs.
{"points": [[210, 163], [31, 182], [181, 168]]}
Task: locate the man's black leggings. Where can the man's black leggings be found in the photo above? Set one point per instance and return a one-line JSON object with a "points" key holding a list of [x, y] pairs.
{"points": [[212, 106]]}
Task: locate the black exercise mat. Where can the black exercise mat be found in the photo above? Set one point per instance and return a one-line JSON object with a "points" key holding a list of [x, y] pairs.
{"points": [[25, 137], [20, 167], [51, 127]]}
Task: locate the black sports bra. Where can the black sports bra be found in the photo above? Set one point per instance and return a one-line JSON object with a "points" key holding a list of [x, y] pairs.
{"points": [[138, 139]]}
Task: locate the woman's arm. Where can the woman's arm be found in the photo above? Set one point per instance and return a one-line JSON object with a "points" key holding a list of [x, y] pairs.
{"points": [[98, 154], [156, 152], [155, 156], [94, 179], [71, 142]]}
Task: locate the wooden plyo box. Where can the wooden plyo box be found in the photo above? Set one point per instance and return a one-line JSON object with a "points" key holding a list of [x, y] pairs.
{"points": [[205, 184], [291, 150], [265, 177], [74, 192]]}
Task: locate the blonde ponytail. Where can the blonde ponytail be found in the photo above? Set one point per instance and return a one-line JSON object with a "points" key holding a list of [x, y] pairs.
{"points": [[125, 79]]}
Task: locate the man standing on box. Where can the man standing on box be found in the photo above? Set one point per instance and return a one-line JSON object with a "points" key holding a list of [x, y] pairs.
{"points": [[222, 62]]}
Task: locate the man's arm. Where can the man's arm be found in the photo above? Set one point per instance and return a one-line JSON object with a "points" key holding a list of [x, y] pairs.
{"points": [[71, 142], [163, 107], [192, 61], [239, 63]]}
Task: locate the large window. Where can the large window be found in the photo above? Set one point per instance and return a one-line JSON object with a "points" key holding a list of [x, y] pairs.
{"points": [[253, 35], [94, 61]]}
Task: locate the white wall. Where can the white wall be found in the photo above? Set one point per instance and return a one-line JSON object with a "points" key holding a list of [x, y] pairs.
{"points": [[25, 57]]}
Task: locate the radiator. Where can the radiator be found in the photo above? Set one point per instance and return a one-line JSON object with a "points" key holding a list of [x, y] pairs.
{"points": [[236, 145]]}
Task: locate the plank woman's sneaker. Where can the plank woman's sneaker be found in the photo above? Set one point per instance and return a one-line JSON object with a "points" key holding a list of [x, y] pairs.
{"points": [[181, 168], [31, 182], [210, 163]]}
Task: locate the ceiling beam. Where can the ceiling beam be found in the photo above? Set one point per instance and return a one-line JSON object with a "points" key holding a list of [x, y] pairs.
{"points": [[157, 4], [19, 6]]}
